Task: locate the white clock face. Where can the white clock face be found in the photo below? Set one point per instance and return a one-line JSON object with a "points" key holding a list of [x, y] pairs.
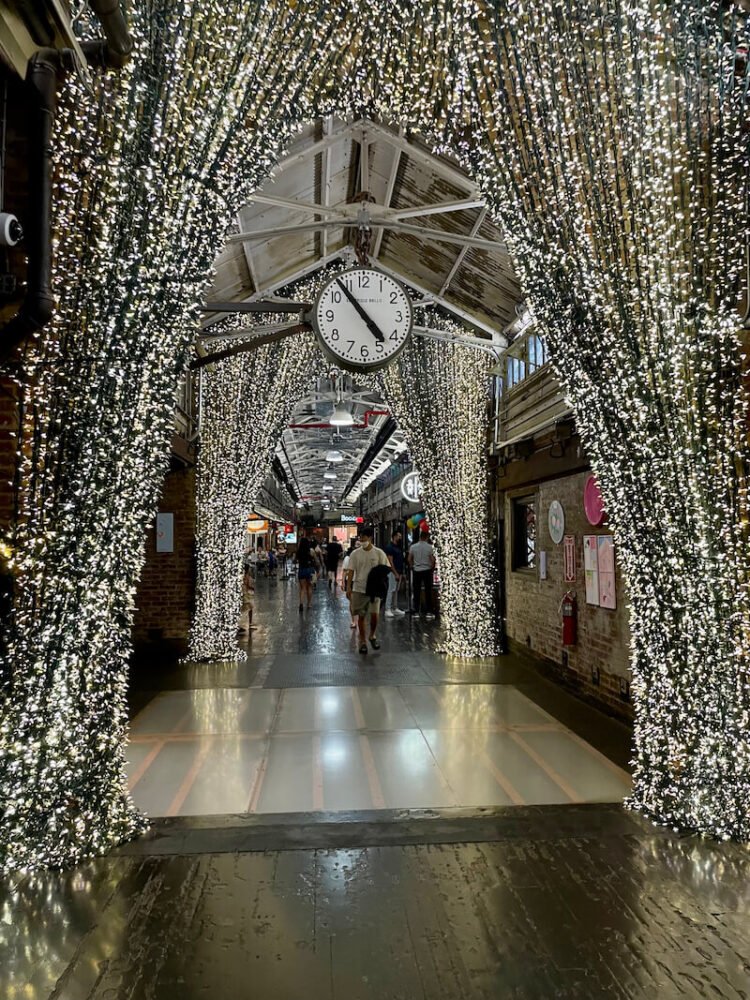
{"points": [[363, 318]]}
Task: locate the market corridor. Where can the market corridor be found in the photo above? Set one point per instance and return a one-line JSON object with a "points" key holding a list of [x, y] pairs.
{"points": [[308, 724]]}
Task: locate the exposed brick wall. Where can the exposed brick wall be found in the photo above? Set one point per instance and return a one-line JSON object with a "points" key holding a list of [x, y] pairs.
{"points": [[166, 590], [532, 605]]}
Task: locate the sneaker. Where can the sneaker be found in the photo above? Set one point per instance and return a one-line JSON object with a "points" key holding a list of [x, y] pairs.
{"points": [[429, 616], [363, 648], [398, 611], [375, 642], [389, 614]]}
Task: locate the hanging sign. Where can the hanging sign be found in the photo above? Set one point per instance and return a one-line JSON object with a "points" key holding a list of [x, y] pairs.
{"points": [[256, 526], [569, 558], [411, 487]]}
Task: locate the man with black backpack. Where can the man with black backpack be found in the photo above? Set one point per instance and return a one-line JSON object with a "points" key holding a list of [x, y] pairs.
{"points": [[366, 585]]}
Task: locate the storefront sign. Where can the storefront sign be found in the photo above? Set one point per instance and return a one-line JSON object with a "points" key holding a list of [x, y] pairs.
{"points": [[411, 487], [256, 527]]}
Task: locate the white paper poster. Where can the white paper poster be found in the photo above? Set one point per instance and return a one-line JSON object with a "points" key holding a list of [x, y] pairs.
{"points": [[165, 532], [591, 568], [607, 587]]}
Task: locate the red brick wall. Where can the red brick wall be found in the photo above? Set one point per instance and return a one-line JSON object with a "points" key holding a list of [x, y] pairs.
{"points": [[532, 605], [164, 600]]}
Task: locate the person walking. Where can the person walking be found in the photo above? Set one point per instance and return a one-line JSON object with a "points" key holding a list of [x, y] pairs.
{"points": [[353, 545], [305, 569], [395, 552], [248, 590], [334, 552], [422, 563], [364, 601]]}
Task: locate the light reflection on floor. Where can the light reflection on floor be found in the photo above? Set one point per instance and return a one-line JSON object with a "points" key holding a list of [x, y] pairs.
{"points": [[232, 750]]}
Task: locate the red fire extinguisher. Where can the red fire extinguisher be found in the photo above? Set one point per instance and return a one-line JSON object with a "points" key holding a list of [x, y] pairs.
{"points": [[569, 610]]}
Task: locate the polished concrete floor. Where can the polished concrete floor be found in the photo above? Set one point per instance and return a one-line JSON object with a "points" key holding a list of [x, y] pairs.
{"points": [[405, 730], [347, 899]]}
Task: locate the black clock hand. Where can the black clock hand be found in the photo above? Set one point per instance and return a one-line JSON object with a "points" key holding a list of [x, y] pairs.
{"points": [[371, 325]]}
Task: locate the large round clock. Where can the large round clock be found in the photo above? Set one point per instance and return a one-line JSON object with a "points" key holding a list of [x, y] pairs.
{"points": [[363, 318]]}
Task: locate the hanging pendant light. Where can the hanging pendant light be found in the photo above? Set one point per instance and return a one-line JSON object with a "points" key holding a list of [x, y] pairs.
{"points": [[330, 474], [333, 456], [341, 417]]}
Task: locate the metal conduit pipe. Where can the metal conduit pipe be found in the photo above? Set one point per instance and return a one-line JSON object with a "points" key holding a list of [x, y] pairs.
{"points": [[42, 80]]}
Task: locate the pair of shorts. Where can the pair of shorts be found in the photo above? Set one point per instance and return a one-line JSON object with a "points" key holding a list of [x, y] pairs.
{"points": [[305, 574], [363, 604]]}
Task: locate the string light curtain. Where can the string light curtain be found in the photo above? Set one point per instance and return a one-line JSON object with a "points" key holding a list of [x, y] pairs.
{"points": [[247, 402], [630, 189], [438, 394], [608, 137]]}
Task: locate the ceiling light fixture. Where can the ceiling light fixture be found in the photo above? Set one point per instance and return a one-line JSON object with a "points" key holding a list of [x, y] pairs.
{"points": [[341, 417], [334, 456]]}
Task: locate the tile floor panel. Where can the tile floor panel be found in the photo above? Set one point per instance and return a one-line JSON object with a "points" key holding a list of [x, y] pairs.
{"points": [[422, 746], [307, 724]]}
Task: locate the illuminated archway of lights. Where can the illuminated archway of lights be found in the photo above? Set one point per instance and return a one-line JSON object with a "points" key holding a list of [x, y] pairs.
{"points": [[438, 394], [247, 402], [608, 138]]}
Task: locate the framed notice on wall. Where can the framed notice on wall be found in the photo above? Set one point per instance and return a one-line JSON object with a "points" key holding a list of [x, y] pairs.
{"points": [[591, 568], [569, 558], [607, 589], [165, 532]]}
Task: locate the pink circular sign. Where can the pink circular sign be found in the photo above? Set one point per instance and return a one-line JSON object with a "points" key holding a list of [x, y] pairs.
{"points": [[592, 502]]}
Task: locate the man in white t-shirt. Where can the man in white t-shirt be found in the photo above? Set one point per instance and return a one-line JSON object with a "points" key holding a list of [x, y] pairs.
{"points": [[361, 562]]}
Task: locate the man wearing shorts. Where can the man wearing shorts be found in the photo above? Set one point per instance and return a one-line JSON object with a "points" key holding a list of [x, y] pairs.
{"points": [[361, 561]]}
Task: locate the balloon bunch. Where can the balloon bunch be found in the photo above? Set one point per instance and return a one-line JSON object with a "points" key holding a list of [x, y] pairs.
{"points": [[418, 520]]}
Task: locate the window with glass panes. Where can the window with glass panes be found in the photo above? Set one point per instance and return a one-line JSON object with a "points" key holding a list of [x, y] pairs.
{"points": [[524, 527]]}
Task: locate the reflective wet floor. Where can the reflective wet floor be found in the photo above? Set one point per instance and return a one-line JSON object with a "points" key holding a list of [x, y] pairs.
{"points": [[309, 724], [574, 902], [356, 893]]}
